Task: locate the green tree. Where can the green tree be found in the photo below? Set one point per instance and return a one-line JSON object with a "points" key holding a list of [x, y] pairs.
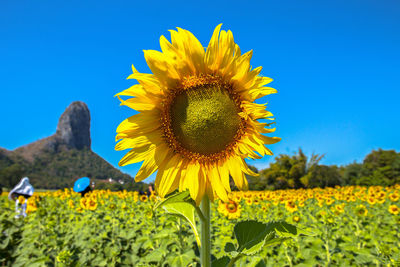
{"points": [[351, 173], [11, 175], [289, 171], [324, 176], [380, 167]]}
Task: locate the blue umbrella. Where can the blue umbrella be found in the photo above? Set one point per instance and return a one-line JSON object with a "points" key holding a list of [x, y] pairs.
{"points": [[81, 184]]}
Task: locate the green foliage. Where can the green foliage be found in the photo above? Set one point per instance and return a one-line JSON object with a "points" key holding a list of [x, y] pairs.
{"points": [[381, 167], [55, 170], [124, 232], [287, 172], [11, 175]]}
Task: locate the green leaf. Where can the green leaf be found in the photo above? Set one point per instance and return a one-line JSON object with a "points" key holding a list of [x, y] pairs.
{"points": [[253, 235], [174, 198], [250, 234], [184, 259], [221, 262], [274, 241], [229, 247], [282, 228], [186, 211]]}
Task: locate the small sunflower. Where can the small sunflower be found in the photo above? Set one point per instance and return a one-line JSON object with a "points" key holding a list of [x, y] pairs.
{"points": [[291, 206], [249, 201], [83, 202], [296, 218], [393, 209], [230, 209], [329, 201], [198, 118], [143, 198], [371, 200], [91, 204], [339, 208], [361, 210], [21, 200], [394, 197]]}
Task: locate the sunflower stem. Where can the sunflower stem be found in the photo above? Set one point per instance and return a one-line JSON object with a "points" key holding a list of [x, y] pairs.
{"points": [[205, 249]]}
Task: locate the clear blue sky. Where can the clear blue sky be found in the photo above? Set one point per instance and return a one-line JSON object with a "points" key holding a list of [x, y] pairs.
{"points": [[336, 65]]}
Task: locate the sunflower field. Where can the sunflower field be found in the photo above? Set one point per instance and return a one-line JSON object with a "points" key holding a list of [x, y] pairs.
{"points": [[343, 226]]}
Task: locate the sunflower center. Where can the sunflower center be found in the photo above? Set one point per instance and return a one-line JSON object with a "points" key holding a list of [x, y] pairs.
{"points": [[231, 207], [205, 119]]}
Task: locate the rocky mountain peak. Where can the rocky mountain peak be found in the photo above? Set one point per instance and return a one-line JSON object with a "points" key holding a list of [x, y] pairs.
{"points": [[73, 127]]}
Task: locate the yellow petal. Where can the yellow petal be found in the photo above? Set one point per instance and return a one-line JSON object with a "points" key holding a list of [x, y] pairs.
{"points": [[224, 175], [194, 50], [202, 188], [132, 142], [162, 67], [242, 66], [236, 172], [246, 150], [246, 169], [208, 188], [151, 163], [216, 183], [193, 179], [140, 103], [212, 49], [136, 155], [167, 175], [143, 122]]}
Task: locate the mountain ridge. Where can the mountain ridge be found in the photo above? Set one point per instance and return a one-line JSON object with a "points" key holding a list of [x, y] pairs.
{"points": [[57, 160]]}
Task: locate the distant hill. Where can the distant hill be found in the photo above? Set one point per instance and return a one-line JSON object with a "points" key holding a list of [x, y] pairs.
{"points": [[56, 161]]}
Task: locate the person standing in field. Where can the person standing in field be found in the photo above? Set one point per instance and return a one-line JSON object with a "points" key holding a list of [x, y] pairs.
{"points": [[82, 186], [20, 194]]}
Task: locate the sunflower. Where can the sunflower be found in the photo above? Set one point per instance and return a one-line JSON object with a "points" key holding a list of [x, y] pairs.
{"points": [[296, 218], [230, 209], [371, 200], [291, 206], [198, 120], [91, 204], [393, 209], [83, 202], [361, 210], [143, 198], [394, 197], [329, 201], [21, 200], [339, 208]]}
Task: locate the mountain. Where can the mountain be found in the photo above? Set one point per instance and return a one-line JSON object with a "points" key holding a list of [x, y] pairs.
{"points": [[56, 161]]}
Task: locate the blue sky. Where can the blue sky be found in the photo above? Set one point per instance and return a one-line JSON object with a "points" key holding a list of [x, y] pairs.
{"points": [[336, 65]]}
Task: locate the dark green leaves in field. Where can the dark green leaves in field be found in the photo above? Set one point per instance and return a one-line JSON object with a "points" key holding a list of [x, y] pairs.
{"points": [[253, 235]]}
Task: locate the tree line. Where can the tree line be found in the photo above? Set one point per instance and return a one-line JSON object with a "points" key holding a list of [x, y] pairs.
{"points": [[60, 170], [380, 167]]}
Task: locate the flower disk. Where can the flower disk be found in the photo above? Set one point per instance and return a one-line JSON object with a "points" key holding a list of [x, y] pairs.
{"points": [[197, 117], [204, 120]]}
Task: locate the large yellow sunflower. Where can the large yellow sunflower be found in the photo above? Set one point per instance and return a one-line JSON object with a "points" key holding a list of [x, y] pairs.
{"points": [[197, 118]]}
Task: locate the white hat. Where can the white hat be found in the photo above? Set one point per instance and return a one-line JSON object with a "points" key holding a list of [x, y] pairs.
{"points": [[23, 187]]}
